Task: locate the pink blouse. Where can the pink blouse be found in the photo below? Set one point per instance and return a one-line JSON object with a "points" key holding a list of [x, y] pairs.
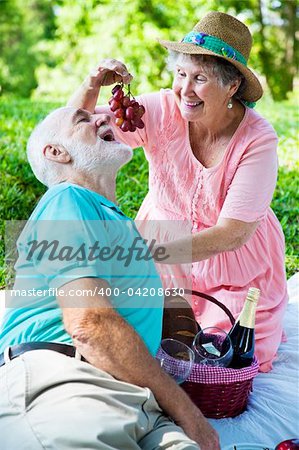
{"points": [[187, 197]]}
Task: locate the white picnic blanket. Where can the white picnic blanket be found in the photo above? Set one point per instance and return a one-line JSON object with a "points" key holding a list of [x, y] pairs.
{"points": [[273, 409], [272, 415]]}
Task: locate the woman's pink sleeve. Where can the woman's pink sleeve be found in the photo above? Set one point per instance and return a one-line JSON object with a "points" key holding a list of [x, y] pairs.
{"points": [[252, 187], [140, 137]]}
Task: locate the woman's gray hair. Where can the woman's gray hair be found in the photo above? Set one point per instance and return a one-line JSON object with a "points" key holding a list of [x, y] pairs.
{"points": [[223, 70]]}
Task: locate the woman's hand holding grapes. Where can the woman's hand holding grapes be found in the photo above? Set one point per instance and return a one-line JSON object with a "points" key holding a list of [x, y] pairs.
{"points": [[125, 108], [110, 71]]}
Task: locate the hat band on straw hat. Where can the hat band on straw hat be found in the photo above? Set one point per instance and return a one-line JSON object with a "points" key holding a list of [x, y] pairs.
{"points": [[215, 45], [219, 47]]}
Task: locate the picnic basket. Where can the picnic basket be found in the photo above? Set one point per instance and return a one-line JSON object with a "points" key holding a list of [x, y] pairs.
{"points": [[219, 392]]}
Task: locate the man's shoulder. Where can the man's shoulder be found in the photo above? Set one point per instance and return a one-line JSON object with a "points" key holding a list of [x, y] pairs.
{"points": [[66, 201]]}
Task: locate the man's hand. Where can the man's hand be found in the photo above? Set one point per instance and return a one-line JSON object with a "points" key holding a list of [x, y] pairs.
{"points": [[198, 428]]}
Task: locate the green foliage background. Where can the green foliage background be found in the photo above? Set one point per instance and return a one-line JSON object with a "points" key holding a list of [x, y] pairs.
{"points": [[48, 46]]}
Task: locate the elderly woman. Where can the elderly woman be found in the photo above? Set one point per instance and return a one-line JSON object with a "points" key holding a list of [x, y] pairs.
{"points": [[213, 163]]}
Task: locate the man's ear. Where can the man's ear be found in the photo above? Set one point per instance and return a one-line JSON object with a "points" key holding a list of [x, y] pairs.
{"points": [[57, 153]]}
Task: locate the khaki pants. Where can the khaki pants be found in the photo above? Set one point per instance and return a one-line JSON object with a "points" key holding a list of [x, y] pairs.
{"points": [[51, 401]]}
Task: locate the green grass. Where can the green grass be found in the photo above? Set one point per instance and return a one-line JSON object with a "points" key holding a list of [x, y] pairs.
{"points": [[20, 191], [284, 118]]}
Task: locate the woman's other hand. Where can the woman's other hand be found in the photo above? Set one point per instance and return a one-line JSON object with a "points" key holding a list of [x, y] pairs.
{"points": [[110, 71]]}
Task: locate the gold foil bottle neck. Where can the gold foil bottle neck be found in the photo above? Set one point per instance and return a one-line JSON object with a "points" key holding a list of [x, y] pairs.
{"points": [[247, 316], [253, 294]]}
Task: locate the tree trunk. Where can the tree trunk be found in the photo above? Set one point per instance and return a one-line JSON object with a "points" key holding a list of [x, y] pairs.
{"points": [[280, 73], [264, 54], [289, 15]]}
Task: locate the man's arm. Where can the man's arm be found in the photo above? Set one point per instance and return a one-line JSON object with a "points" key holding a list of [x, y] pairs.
{"points": [[109, 343]]}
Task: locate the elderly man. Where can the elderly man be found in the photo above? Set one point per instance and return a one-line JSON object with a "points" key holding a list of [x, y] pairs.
{"points": [[78, 370]]}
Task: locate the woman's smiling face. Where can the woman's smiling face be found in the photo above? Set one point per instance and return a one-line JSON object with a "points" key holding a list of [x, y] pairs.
{"points": [[198, 92]]}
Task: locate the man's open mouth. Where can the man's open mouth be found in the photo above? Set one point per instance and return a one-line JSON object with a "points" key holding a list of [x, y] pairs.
{"points": [[107, 135]]}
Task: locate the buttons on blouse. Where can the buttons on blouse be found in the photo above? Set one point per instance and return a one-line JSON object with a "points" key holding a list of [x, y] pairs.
{"points": [[195, 226]]}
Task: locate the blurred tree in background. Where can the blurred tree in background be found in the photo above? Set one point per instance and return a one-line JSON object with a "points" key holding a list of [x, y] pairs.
{"points": [[22, 26], [274, 24], [47, 46]]}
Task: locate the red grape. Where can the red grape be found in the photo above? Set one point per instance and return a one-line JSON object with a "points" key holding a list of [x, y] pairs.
{"points": [[125, 126], [116, 88], [134, 103], [138, 123], [129, 113], [126, 101], [118, 95], [140, 111], [119, 113], [114, 105]]}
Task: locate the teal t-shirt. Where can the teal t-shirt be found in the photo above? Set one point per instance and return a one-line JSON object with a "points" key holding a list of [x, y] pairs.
{"points": [[76, 233]]}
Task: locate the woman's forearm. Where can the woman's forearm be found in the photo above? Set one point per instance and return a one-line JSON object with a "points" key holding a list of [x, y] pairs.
{"points": [[227, 235], [86, 96], [196, 247]]}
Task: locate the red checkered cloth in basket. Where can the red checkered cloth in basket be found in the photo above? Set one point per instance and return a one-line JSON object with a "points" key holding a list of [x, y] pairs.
{"points": [[207, 374], [222, 375]]}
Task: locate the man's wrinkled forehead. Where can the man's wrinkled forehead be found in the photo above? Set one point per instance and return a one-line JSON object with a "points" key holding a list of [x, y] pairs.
{"points": [[64, 118], [60, 115]]}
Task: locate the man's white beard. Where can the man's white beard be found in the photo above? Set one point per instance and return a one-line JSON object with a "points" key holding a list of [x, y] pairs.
{"points": [[104, 157]]}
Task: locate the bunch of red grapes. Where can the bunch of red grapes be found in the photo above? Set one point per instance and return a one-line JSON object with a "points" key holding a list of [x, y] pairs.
{"points": [[127, 111]]}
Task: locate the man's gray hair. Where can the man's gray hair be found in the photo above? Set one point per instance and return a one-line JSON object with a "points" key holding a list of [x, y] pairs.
{"points": [[223, 70], [47, 172]]}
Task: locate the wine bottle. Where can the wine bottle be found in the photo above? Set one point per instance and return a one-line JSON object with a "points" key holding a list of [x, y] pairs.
{"points": [[242, 333]]}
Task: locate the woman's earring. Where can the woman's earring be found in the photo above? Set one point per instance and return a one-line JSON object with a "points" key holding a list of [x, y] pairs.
{"points": [[230, 104]]}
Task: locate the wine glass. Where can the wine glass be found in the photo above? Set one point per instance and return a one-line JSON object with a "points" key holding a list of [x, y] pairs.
{"points": [[176, 359], [213, 347]]}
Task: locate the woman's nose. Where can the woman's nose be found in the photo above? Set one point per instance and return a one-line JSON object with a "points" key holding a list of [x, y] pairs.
{"points": [[102, 119], [187, 87]]}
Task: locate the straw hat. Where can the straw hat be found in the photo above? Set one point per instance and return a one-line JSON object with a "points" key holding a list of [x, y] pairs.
{"points": [[224, 36]]}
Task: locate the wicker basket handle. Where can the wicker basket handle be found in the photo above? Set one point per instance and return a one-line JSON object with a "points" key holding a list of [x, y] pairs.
{"points": [[213, 300]]}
